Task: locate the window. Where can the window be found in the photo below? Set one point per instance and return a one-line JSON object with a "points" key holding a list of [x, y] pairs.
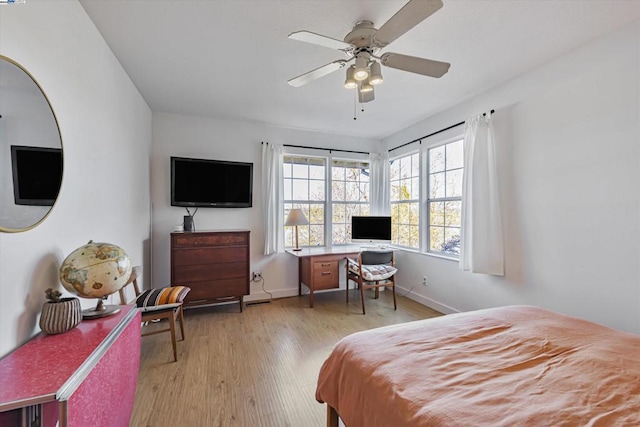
{"points": [[305, 188], [405, 201], [444, 197], [349, 197]]}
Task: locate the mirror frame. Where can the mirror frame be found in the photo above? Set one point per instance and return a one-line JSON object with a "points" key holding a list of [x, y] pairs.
{"points": [[55, 118]]}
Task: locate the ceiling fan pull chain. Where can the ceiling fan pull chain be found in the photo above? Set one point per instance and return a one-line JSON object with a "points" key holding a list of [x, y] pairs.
{"points": [[355, 106]]}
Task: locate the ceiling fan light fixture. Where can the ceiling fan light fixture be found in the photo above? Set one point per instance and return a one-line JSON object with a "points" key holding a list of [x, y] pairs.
{"points": [[350, 82], [365, 86], [361, 72], [376, 74]]}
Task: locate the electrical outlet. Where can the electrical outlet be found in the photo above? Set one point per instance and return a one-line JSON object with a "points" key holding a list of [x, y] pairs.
{"points": [[424, 280], [257, 275]]}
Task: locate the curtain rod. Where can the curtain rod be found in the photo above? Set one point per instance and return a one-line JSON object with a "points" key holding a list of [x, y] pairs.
{"points": [[434, 133], [319, 148]]}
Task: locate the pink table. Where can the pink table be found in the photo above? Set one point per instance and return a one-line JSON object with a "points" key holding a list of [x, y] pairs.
{"points": [[84, 377]]}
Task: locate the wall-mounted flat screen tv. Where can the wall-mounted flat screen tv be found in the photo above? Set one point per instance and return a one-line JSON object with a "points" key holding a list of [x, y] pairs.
{"points": [[211, 183], [371, 229], [37, 175]]}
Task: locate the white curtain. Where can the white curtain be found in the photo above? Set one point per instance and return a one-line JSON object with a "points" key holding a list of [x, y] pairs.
{"points": [[481, 248], [379, 184], [272, 209]]}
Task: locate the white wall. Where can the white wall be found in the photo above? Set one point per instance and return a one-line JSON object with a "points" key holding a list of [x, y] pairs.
{"points": [[106, 136], [187, 136], [568, 136]]}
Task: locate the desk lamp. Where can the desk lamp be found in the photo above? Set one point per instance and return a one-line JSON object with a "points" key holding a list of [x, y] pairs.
{"points": [[296, 217]]}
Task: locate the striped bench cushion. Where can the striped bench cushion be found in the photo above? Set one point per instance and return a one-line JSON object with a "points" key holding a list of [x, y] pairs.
{"points": [[156, 297], [372, 273]]}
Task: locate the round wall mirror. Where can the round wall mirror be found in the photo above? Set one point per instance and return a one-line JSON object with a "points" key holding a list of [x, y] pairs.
{"points": [[30, 150]]}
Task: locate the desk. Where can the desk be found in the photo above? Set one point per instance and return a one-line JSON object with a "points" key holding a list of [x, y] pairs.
{"points": [[318, 267]]}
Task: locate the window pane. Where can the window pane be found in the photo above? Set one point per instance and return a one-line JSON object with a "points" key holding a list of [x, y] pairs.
{"points": [[316, 172], [451, 240], [337, 190], [395, 191], [339, 233], [351, 191], [286, 167], [316, 214], [414, 213], [364, 210], [414, 236], [436, 159], [436, 213], [454, 183], [404, 235], [436, 238], [405, 167], [454, 155], [316, 190], [394, 169], [337, 173], [316, 235], [364, 175], [415, 189], [405, 189], [363, 191], [300, 171], [287, 189], [300, 189], [452, 213], [415, 164], [338, 213], [436, 185], [303, 235]]}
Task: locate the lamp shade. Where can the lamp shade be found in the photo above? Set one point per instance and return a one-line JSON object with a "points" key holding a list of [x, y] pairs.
{"points": [[350, 82], [361, 71], [376, 74], [296, 217]]}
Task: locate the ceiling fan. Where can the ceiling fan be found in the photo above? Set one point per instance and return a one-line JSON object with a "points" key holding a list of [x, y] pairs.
{"points": [[363, 45]]}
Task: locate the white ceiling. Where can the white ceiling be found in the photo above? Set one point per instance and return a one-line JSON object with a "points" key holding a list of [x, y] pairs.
{"points": [[231, 59]]}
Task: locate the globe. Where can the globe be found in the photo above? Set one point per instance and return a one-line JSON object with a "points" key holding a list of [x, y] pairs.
{"points": [[96, 270]]}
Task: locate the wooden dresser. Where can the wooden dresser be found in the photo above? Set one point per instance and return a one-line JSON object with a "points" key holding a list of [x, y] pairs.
{"points": [[214, 264]]}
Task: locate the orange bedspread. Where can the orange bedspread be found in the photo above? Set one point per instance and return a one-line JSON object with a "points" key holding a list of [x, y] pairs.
{"points": [[509, 366]]}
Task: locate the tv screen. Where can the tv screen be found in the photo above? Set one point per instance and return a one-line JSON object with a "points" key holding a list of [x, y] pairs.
{"points": [[37, 175], [371, 228], [211, 183]]}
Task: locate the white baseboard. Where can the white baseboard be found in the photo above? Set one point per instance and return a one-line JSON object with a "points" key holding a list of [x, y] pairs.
{"points": [[438, 306]]}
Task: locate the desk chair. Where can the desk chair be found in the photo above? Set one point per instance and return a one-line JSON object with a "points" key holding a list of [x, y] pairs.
{"points": [[372, 270], [158, 304]]}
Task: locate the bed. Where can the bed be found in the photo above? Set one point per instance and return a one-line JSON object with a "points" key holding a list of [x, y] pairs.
{"points": [[509, 366]]}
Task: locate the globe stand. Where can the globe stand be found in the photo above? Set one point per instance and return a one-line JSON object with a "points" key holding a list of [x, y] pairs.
{"points": [[101, 310]]}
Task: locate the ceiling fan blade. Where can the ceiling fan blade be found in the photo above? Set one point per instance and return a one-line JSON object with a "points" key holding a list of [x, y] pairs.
{"points": [[317, 73], [366, 96], [413, 64], [405, 19], [320, 40]]}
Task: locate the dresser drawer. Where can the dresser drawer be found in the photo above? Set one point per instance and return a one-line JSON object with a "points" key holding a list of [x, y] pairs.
{"points": [[189, 240], [200, 272], [212, 289], [325, 274], [209, 255]]}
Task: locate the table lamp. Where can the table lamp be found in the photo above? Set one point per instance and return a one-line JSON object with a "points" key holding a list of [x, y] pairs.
{"points": [[296, 217]]}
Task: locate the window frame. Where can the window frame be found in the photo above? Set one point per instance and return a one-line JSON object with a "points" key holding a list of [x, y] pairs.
{"points": [[348, 202], [328, 196], [426, 195], [417, 201]]}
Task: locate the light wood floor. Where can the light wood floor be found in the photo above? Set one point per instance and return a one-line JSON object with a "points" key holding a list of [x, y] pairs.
{"points": [[256, 368]]}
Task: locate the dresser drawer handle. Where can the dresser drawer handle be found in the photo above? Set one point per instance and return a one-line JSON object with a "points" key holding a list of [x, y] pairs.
{"points": [[326, 273], [325, 265]]}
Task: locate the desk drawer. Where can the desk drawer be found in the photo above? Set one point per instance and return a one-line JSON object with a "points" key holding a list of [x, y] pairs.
{"points": [[325, 274]]}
